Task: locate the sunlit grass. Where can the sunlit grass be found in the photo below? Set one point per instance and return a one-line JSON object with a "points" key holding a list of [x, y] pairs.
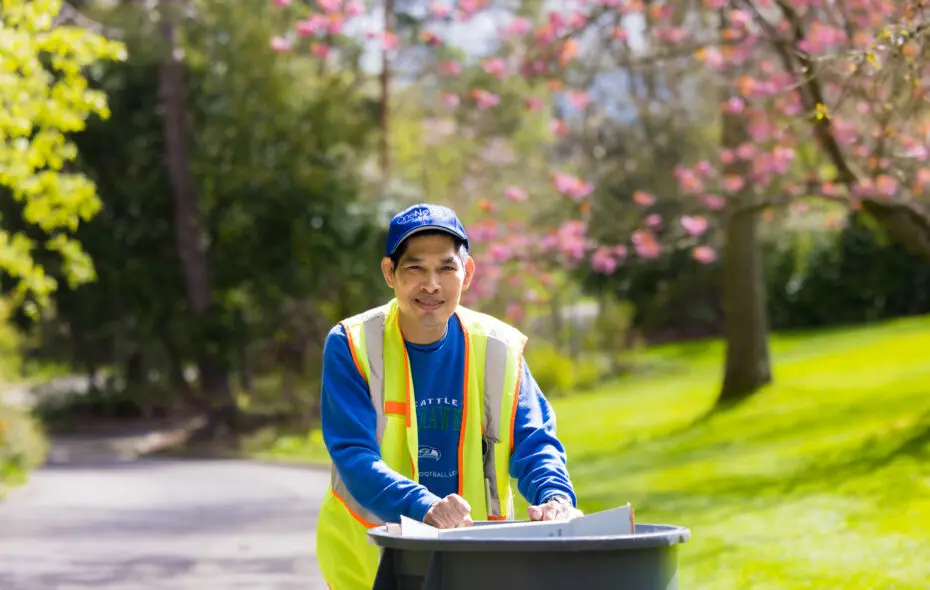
{"points": [[820, 481]]}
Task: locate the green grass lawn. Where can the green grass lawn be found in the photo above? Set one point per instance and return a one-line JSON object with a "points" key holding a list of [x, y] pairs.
{"points": [[820, 481]]}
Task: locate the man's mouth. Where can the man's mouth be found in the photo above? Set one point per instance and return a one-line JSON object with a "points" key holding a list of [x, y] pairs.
{"points": [[429, 304]]}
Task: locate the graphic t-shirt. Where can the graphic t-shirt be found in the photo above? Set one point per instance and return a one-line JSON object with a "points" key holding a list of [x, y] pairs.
{"points": [[349, 424], [437, 388]]}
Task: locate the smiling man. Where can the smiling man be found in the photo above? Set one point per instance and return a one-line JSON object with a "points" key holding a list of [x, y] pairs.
{"points": [[429, 408]]}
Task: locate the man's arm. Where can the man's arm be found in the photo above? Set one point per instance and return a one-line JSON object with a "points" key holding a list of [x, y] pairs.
{"points": [[349, 431], [539, 460]]}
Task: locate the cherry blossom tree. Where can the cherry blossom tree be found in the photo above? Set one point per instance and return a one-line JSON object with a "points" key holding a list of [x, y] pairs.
{"points": [[817, 99]]}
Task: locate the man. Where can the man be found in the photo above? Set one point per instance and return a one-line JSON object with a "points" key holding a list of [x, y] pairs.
{"points": [[428, 408]]}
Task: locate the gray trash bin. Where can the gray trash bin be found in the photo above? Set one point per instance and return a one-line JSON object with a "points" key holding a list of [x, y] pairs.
{"points": [[646, 560]]}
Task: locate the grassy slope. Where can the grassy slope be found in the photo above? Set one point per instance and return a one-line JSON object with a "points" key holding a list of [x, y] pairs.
{"points": [[820, 481]]}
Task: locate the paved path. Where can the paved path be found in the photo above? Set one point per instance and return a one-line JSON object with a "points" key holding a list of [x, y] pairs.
{"points": [[162, 524]]}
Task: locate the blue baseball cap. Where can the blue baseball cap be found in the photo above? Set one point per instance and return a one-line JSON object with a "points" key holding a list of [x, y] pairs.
{"points": [[419, 217]]}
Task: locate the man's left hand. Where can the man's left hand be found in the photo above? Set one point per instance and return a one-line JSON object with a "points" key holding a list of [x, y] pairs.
{"points": [[555, 509]]}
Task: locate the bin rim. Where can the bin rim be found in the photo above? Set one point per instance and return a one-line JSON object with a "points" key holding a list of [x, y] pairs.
{"points": [[653, 535]]}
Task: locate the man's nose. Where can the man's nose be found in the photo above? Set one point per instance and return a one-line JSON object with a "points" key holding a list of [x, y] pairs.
{"points": [[431, 282]]}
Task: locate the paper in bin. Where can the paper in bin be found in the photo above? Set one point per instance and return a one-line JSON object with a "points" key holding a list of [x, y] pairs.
{"points": [[615, 522]]}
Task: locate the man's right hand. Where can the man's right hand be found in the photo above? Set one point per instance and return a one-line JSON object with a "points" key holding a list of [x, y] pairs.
{"points": [[450, 512]]}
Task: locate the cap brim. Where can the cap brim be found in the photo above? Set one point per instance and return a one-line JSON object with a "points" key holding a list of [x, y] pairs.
{"points": [[425, 227]]}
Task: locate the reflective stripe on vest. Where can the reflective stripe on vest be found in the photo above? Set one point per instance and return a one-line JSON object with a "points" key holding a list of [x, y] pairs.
{"points": [[503, 353]]}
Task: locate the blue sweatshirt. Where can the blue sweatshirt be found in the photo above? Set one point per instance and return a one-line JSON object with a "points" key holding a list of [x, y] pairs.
{"points": [[349, 423]]}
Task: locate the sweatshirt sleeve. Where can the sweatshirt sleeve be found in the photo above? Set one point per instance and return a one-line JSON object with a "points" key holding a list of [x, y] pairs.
{"points": [[349, 425], [539, 462]]}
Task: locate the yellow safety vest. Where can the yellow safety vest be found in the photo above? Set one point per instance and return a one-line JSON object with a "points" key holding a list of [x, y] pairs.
{"points": [[492, 368]]}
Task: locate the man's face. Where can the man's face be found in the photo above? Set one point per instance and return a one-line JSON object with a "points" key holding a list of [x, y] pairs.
{"points": [[428, 280]]}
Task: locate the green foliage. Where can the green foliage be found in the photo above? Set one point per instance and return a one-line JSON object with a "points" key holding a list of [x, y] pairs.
{"points": [[47, 97], [23, 446], [558, 374], [859, 274], [10, 360], [275, 150]]}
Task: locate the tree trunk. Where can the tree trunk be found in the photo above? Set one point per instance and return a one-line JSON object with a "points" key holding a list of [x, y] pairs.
{"points": [[747, 366], [214, 378], [385, 83]]}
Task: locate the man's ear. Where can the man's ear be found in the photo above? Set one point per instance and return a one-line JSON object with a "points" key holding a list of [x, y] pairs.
{"points": [[387, 269], [469, 272]]}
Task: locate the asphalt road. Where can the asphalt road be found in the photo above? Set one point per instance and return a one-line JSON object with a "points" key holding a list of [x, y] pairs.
{"points": [[162, 524]]}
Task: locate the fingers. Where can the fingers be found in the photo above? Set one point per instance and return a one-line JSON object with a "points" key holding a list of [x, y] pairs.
{"points": [[552, 511], [450, 512]]}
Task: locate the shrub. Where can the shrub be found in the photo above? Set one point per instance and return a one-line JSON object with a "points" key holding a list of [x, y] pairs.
{"points": [[23, 446], [557, 374]]}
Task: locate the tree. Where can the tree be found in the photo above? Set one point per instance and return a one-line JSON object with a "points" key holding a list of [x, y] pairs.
{"points": [[847, 77], [46, 97]]}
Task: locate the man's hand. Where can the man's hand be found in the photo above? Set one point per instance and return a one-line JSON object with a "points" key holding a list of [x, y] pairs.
{"points": [[558, 508], [450, 512]]}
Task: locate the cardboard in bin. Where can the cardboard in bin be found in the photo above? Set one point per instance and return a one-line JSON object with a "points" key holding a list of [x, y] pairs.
{"points": [[613, 523]]}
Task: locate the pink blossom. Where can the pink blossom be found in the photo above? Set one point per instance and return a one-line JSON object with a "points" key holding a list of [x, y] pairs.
{"points": [[578, 99], [694, 225], [516, 194], [715, 4], [533, 103], [654, 220], [559, 127], [280, 44], [499, 253], [389, 41], [714, 202], [886, 185], [704, 254], [672, 35], [760, 129], [282, 2], [821, 38], [494, 66], [733, 183], [712, 57], [571, 186], [484, 99], [439, 11], [746, 151], [603, 261], [334, 27], [643, 198], [449, 99], [469, 6], [450, 68], [517, 27], [313, 25], [354, 8], [727, 156], [484, 231], [689, 181], [705, 169], [329, 5], [734, 106], [645, 244], [320, 50]]}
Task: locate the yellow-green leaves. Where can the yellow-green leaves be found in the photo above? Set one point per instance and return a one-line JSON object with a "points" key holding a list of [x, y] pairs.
{"points": [[44, 96]]}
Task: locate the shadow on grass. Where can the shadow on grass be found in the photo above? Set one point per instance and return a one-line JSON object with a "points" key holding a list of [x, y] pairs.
{"points": [[730, 496]]}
